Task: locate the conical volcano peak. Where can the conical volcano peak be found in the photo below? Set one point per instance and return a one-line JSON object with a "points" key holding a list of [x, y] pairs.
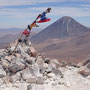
{"points": [[64, 27], [65, 19]]}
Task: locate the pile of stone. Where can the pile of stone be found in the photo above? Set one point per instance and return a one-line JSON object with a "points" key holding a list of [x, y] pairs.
{"points": [[24, 69], [25, 65]]}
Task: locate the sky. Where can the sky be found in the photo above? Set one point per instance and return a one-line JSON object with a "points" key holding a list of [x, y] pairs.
{"points": [[20, 13]]}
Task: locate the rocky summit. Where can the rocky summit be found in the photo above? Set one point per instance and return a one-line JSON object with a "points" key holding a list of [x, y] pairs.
{"points": [[24, 69]]}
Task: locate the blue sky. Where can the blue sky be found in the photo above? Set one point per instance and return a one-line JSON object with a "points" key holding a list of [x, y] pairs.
{"points": [[20, 13]]}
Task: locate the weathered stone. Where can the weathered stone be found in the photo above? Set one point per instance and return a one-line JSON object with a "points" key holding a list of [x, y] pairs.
{"points": [[57, 72], [49, 68], [26, 49], [33, 59], [88, 65], [29, 61], [42, 70], [15, 67], [27, 73], [29, 87], [4, 63], [40, 80], [1, 82], [12, 48], [6, 79], [39, 60], [15, 77], [20, 60], [31, 80], [51, 75], [73, 64], [23, 52], [86, 62], [8, 58], [64, 64], [18, 55], [2, 72], [36, 69], [43, 56], [84, 73], [33, 51]]}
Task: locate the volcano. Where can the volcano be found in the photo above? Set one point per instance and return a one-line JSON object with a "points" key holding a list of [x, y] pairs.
{"points": [[64, 27]]}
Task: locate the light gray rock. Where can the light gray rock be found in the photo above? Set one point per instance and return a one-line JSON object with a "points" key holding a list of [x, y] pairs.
{"points": [[36, 70], [29, 87], [31, 80], [2, 72], [33, 59], [1, 82], [15, 77], [40, 80], [39, 60], [20, 60], [27, 73], [51, 75], [15, 67], [8, 58], [12, 48], [23, 52], [49, 69], [40, 63], [58, 72]]}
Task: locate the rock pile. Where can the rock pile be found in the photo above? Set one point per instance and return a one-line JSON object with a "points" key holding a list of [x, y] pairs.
{"points": [[24, 70], [22, 66]]}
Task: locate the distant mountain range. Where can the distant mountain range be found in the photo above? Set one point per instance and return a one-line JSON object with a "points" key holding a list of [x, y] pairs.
{"points": [[64, 39], [9, 35]]}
